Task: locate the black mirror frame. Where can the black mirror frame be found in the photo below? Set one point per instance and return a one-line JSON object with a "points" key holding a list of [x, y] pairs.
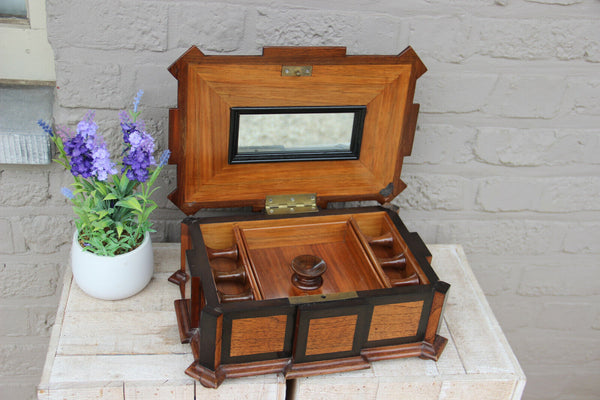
{"points": [[353, 153]]}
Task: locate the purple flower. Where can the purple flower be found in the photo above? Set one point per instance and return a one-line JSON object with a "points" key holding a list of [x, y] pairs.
{"points": [[164, 158], [46, 127], [136, 100], [67, 193], [88, 154], [87, 126], [80, 156], [101, 164], [128, 126], [139, 157]]}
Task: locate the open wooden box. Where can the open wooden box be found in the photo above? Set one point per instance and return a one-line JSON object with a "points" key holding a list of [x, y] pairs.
{"points": [[293, 287]]}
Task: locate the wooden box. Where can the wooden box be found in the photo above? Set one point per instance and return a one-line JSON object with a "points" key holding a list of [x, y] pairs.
{"points": [[288, 285]]}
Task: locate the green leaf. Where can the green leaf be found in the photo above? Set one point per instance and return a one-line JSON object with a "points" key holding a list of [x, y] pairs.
{"points": [[110, 196], [119, 226], [123, 184], [131, 202]]}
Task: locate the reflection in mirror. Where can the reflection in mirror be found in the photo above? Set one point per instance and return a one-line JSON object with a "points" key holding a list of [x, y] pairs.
{"points": [[293, 132], [271, 134]]}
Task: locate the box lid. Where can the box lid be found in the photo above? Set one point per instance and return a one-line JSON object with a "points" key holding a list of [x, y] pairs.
{"points": [[222, 98]]}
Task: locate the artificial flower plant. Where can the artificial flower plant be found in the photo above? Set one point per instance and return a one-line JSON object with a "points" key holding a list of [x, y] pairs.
{"points": [[112, 201]]}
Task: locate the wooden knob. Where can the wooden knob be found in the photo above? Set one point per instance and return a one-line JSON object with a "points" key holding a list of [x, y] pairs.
{"points": [[307, 272], [236, 275], [230, 253], [385, 240], [408, 281], [398, 262], [226, 297]]}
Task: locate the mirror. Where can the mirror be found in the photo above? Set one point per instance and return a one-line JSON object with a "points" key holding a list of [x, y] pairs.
{"points": [[274, 134]]}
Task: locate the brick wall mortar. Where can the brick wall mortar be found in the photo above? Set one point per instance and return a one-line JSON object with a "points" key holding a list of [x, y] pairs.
{"points": [[505, 159]]}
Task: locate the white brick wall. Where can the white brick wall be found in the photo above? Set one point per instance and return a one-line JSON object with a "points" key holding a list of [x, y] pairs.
{"points": [[505, 160]]}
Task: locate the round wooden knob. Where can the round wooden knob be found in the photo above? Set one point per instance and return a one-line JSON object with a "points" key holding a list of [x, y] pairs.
{"points": [[307, 272]]}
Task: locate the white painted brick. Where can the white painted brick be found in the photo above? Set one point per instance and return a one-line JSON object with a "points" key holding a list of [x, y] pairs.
{"points": [[304, 28], [506, 194], [454, 93], [442, 144], [514, 312], [213, 27], [534, 147], [47, 234], [432, 192], [527, 96], [380, 34], [361, 34], [571, 279], [583, 238], [555, 348], [166, 183], [22, 359], [14, 321], [544, 385], [503, 237], [426, 228], [497, 276], [41, 319], [565, 194], [454, 45], [59, 178], [160, 87], [93, 85], [570, 194], [28, 280], [530, 39], [6, 244], [18, 391], [582, 385], [583, 96], [559, 2], [109, 25], [565, 316], [23, 188]]}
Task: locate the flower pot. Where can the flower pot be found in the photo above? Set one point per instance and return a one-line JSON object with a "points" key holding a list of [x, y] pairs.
{"points": [[112, 278]]}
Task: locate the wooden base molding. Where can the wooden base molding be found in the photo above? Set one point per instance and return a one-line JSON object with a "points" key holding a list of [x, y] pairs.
{"points": [[301, 370]]}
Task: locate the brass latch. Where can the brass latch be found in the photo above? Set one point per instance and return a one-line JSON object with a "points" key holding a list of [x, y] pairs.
{"points": [[296, 70], [291, 204]]}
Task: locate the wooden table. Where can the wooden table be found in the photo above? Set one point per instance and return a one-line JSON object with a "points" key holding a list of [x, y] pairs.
{"points": [[130, 349]]}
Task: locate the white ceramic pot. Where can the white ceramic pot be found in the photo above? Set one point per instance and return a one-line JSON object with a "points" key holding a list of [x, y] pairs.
{"points": [[112, 278]]}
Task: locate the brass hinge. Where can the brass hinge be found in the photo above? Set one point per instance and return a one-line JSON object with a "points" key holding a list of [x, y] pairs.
{"points": [[291, 203], [296, 70]]}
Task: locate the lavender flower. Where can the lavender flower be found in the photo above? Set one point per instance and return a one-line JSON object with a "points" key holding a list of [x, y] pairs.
{"points": [[46, 127], [164, 158], [136, 100], [101, 164], [128, 126], [80, 156], [88, 154], [139, 158], [87, 127], [67, 193]]}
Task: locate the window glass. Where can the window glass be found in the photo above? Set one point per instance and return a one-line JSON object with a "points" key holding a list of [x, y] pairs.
{"points": [[13, 8]]}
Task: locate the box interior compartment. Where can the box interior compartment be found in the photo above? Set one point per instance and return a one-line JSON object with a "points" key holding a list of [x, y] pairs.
{"points": [[252, 260]]}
